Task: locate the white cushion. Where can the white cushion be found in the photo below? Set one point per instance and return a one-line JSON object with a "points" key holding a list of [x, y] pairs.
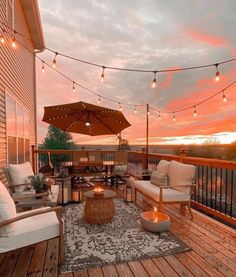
{"points": [[7, 210], [31, 230], [163, 167], [181, 174], [169, 195], [159, 179], [19, 175]]}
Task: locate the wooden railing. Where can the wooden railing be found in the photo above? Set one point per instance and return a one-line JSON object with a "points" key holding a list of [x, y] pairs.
{"points": [[215, 191]]}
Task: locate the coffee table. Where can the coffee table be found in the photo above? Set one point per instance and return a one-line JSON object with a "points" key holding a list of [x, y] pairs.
{"points": [[99, 208]]}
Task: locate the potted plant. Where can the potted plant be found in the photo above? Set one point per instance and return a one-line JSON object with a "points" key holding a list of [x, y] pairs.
{"points": [[146, 174], [38, 183]]}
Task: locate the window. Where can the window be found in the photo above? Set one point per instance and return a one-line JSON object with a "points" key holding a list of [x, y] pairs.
{"points": [[10, 12], [18, 143]]}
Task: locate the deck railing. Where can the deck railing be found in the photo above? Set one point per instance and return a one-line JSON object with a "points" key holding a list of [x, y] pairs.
{"points": [[215, 191]]}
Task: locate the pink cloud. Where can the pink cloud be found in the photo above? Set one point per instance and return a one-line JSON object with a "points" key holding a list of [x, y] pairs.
{"points": [[211, 40]]}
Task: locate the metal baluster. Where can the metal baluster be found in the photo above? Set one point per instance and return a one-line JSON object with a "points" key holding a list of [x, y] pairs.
{"points": [[226, 190], [221, 189], [202, 171], [207, 185], [211, 188], [216, 186], [232, 193], [198, 185]]}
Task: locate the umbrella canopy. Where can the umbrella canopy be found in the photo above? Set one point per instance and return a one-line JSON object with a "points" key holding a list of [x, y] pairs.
{"points": [[85, 118]]}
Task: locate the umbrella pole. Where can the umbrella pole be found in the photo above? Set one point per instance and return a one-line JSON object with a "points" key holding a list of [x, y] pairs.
{"points": [[147, 135]]}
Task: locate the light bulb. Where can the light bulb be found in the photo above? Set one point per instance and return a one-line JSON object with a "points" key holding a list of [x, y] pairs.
{"points": [[217, 74], [43, 68], [195, 111], [13, 42], [73, 87], [154, 81], [120, 108], [174, 118], [99, 100], [2, 40], [87, 124], [103, 76], [224, 98], [159, 115], [135, 109], [54, 63]]}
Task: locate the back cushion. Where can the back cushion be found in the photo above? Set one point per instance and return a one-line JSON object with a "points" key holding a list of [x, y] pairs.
{"points": [[7, 210], [159, 179], [181, 174], [19, 174], [163, 167]]}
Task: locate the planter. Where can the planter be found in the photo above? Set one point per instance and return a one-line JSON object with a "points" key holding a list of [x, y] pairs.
{"points": [[147, 178]]}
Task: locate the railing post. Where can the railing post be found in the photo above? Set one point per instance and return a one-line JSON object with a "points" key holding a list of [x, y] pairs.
{"points": [[183, 153], [33, 158]]}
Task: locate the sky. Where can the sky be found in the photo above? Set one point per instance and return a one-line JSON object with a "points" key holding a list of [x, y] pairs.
{"points": [[147, 34]]}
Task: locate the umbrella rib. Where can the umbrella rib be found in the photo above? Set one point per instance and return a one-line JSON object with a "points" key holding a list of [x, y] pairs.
{"points": [[99, 119]]}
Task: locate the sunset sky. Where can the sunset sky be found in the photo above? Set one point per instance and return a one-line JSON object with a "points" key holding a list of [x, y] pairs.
{"points": [[146, 34]]}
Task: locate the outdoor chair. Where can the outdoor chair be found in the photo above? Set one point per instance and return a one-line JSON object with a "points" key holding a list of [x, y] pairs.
{"points": [[18, 230]]}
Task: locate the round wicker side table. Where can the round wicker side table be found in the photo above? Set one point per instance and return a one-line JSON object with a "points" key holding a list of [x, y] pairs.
{"points": [[99, 208]]}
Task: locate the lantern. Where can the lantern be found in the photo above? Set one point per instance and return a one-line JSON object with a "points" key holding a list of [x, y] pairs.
{"points": [[65, 189], [77, 196], [128, 193]]}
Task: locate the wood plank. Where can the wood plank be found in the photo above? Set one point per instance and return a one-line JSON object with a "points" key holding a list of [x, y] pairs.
{"points": [[191, 265], [124, 270], [51, 259], [67, 274], [164, 267], [82, 273], [109, 271], [2, 257], [8, 263], [151, 268], [178, 266], [23, 262], [137, 269], [95, 272], [38, 258]]}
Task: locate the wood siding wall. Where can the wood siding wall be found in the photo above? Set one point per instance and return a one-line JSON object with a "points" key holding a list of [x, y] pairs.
{"points": [[17, 77]]}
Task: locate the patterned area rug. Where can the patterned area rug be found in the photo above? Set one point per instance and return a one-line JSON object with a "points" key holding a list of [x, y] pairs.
{"points": [[120, 241]]}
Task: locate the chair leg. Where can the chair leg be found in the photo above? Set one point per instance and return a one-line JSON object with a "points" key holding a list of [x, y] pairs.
{"points": [[190, 211]]}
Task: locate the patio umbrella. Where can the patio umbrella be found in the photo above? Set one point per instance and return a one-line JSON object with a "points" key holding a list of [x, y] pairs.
{"points": [[85, 118]]}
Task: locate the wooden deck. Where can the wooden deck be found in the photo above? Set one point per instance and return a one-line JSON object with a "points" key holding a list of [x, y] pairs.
{"points": [[213, 254]]}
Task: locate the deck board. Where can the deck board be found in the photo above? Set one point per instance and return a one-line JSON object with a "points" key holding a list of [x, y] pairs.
{"points": [[213, 254]]}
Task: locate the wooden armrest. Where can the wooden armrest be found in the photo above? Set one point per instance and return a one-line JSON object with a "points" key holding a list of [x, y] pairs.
{"points": [[19, 185], [25, 196], [27, 215]]}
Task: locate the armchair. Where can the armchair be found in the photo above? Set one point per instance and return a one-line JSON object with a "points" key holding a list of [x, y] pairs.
{"points": [[18, 230]]}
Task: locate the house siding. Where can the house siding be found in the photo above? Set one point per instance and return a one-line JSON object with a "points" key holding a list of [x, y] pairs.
{"points": [[17, 78]]}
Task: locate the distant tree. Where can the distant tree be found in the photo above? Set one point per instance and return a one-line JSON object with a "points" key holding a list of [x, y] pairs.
{"points": [[123, 145], [57, 139], [211, 141]]}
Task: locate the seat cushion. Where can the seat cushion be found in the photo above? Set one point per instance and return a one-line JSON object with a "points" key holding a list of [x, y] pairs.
{"points": [[181, 174], [169, 195], [7, 210], [163, 167], [31, 230], [19, 175]]}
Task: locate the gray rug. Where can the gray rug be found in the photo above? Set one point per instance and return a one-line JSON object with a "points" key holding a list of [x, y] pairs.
{"points": [[120, 241]]}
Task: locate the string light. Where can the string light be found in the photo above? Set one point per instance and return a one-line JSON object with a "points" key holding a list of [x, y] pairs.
{"points": [[135, 109], [102, 75], [43, 67], [73, 87], [174, 118], [87, 120], [159, 115], [217, 73], [99, 99], [120, 108], [13, 41], [2, 39], [195, 111], [148, 111], [224, 97], [154, 81], [54, 63]]}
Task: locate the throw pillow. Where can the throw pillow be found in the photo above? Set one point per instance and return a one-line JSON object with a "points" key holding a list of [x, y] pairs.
{"points": [[159, 179], [7, 211], [20, 175], [163, 167]]}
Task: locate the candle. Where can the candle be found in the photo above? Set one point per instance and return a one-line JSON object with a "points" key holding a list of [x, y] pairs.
{"points": [[98, 190], [75, 196], [155, 215]]}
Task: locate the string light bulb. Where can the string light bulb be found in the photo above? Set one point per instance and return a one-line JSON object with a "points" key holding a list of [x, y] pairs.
{"points": [[120, 108], [87, 120], [54, 62], [43, 67], [73, 87], [13, 41], [154, 81], [174, 118], [135, 109], [99, 99], [224, 97], [148, 111], [195, 111], [102, 75], [159, 115], [217, 73], [2, 39]]}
